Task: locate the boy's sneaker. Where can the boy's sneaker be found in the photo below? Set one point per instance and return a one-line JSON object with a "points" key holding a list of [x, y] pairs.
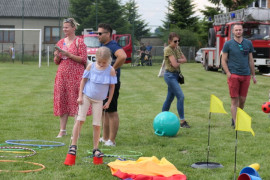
{"points": [[184, 125], [109, 143]]}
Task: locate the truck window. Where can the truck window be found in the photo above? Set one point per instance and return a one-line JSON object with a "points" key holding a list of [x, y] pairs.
{"points": [[254, 31], [123, 40], [92, 41]]}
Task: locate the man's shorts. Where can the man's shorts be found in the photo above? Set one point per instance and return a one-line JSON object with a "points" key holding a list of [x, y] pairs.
{"points": [[114, 102], [238, 85], [97, 106]]}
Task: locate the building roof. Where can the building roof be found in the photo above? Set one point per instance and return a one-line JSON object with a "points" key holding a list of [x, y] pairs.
{"points": [[34, 8]]}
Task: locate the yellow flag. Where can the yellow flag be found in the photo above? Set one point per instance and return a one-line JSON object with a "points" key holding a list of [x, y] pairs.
{"points": [[216, 105], [243, 121]]}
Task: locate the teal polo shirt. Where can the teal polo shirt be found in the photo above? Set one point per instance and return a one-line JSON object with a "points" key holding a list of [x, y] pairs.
{"points": [[238, 56]]}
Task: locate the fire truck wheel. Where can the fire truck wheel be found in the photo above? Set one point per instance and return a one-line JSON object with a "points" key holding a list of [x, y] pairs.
{"points": [[206, 67], [211, 37], [264, 69]]}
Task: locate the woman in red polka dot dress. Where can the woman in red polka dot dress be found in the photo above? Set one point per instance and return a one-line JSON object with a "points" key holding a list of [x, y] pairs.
{"points": [[71, 56]]}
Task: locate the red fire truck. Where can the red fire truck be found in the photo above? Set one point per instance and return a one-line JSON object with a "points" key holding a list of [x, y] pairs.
{"points": [[256, 25], [91, 40]]}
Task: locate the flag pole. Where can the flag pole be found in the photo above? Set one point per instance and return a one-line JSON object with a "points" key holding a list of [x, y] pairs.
{"points": [[208, 147], [235, 154], [216, 106]]}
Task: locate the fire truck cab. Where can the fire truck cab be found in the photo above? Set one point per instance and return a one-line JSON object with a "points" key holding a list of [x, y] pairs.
{"points": [[91, 40], [256, 28]]}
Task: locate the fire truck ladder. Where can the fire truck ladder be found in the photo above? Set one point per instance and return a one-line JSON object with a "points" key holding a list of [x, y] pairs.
{"points": [[248, 14]]}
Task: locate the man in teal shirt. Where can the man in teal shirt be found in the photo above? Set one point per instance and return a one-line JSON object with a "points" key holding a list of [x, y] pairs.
{"points": [[238, 64]]}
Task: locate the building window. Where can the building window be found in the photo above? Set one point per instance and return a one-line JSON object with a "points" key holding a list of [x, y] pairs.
{"points": [[7, 36], [51, 34], [259, 3]]}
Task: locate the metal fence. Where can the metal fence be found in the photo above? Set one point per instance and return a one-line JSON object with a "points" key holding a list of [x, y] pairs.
{"points": [[158, 53], [29, 52]]}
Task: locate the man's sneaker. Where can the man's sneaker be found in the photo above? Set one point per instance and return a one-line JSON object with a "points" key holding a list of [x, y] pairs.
{"points": [[102, 140], [109, 143], [184, 125]]}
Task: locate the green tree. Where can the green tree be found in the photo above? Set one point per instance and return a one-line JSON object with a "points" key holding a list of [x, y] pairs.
{"points": [[180, 19], [187, 37], [236, 4], [206, 23], [89, 13], [181, 14], [132, 16], [78, 9]]}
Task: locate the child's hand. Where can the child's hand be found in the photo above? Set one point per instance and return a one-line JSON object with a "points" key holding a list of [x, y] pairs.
{"points": [[106, 105], [80, 100]]}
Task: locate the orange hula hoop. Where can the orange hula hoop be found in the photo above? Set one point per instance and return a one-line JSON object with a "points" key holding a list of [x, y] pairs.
{"points": [[24, 171]]}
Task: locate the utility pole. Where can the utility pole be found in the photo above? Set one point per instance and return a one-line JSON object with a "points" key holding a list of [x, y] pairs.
{"points": [[59, 18], [133, 25], [169, 3], [22, 31], [96, 15]]}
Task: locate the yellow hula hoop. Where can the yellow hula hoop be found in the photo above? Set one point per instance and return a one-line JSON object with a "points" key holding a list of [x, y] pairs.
{"points": [[16, 152], [24, 171]]}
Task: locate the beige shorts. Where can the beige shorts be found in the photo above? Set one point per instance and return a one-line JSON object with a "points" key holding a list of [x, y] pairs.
{"points": [[97, 107]]}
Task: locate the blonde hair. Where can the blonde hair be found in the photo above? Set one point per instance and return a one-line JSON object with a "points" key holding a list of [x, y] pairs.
{"points": [[72, 22], [104, 53]]}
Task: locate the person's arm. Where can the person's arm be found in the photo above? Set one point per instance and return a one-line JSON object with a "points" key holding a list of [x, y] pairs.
{"points": [[120, 58], [73, 57], [252, 69], [224, 63], [57, 57], [82, 52], [176, 62], [82, 84], [182, 59], [111, 91]]}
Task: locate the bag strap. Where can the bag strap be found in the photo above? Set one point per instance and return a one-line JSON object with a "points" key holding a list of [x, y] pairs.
{"points": [[77, 43]]}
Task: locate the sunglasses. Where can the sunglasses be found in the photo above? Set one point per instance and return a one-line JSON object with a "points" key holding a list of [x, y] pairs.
{"points": [[241, 47], [69, 20], [176, 41], [100, 33]]}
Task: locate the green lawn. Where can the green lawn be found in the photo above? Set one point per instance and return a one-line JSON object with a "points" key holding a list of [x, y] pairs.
{"points": [[26, 103]]}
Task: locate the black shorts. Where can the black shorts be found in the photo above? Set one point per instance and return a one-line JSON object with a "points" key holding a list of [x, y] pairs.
{"points": [[114, 102]]}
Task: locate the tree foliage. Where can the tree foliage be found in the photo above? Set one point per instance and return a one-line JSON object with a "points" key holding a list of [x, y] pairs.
{"points": [[180, 19], [89, 13], [181, 14], [207, 22], [137, 25], [236, 4], [187, 37]]}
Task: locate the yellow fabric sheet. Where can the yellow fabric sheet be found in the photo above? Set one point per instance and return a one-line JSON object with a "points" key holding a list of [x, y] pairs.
{"points": [[150, 166]]}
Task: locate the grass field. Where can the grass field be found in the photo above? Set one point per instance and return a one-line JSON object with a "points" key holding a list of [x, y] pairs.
{"points": [[26, 103]]}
